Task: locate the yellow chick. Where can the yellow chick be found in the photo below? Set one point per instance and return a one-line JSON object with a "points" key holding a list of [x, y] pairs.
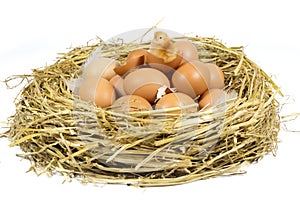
{"points": [[162, 47]]}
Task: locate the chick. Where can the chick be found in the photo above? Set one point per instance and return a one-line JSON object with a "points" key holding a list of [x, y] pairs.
{"points": [[162, 47]]}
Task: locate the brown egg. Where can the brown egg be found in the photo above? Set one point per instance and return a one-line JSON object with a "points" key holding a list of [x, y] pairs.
{"points": [[131, 103], [118, 83], [187, 49], [100, 66], [99, 91], [133, 60], [191, 78], [209, 98], [216, 76], [145, 82], [174, 64], [173, 100]]}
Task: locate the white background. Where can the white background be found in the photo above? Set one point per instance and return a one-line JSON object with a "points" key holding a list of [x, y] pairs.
{"points": [[32, 32]]}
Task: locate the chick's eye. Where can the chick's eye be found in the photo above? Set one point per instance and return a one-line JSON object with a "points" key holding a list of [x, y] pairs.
{"points": [[160, 37]]}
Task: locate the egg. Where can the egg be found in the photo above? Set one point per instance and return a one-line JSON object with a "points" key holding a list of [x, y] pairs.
{"points": [[173, 100], [191, 78], [131, 103], [100, 67], [98, 91], [118, 83], [145, 82], [216, 76], [210, 97], [187, 49], [133, 60]]}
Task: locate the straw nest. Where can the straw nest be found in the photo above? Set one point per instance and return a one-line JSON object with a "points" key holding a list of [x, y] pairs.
{"points": [[59, 133]]}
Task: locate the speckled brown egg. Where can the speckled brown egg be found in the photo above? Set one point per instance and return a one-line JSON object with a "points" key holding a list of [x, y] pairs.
{"points": [[145, 82], [191, 78], [173, 100]]}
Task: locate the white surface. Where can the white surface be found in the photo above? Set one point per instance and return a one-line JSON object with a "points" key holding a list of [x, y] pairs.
{"points": [[32, 32]]}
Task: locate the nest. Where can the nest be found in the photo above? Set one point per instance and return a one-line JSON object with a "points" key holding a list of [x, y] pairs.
{"points": [[61, 134]]}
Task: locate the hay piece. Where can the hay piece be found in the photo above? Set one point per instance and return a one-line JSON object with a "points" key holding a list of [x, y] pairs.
{"points": [[59, 133]]}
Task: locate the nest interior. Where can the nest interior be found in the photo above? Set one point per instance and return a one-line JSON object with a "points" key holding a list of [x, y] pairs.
{"points": [[59, 133]]}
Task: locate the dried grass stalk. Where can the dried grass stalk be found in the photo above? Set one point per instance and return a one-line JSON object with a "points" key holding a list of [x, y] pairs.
{"points": [[61, 134]]}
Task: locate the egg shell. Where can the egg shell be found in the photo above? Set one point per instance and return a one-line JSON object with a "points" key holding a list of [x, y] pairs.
{"points": [[100, 67], [187, 49], [173, 100], [118, 83], [99, 91], [152, 59], [133, 60], [145, 83], [216, 76], [210, 97], [129, 103], [191, 78]]}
